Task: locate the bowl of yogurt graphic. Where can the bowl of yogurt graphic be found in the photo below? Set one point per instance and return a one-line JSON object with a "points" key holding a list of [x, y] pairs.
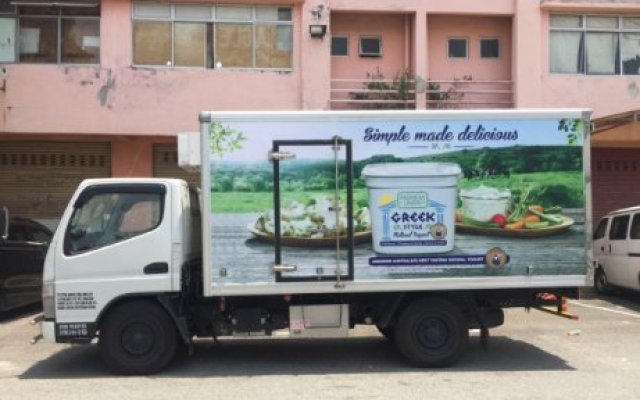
{"points": [[412, 206], [481, 203]]}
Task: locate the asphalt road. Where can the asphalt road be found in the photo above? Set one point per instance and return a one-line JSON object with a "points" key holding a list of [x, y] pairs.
{"points": [[533, 356]]}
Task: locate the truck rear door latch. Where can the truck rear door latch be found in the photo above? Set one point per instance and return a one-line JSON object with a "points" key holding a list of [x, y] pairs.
{"points": [[284, 268], [281, 155]]}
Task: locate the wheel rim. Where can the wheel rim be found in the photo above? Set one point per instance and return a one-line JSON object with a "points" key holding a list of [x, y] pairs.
{"points": [[433, 333], [138, 339]]}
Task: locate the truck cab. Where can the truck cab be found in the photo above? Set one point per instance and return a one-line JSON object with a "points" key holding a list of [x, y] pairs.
{"points": [[118, 239]]}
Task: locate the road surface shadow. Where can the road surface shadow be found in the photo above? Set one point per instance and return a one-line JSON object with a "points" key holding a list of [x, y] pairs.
{"points": [[277, 356], [623, 298], [19, 313]]}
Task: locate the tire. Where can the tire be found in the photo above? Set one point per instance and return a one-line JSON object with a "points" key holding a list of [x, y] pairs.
{"points": [[388, 332], [600, 283], [137, 338], [432, 333]]}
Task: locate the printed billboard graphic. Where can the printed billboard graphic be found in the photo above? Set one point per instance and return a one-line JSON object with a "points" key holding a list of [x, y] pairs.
{"points": [[417, 198]]}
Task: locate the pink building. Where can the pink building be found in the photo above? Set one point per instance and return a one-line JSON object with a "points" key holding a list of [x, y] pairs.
{"points": [[92, 88]]}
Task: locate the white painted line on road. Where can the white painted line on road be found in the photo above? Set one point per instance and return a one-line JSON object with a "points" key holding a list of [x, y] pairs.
{"points": [[627, 313]]}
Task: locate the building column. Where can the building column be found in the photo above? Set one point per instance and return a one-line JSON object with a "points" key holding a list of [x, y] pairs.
{"points": [[420, 54], [315, 61], [527, 42]]}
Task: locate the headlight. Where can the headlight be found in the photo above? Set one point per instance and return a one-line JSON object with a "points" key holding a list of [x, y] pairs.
{"points": [[48, 300]]}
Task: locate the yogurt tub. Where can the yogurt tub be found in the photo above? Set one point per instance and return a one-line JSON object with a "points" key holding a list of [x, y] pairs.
{"points": [[482, 203], [412, 206]]}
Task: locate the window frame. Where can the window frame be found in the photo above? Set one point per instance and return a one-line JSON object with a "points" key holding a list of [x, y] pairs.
{"points": [[85, 239], [615, 232], [59, 15], [363, 53], [583, 30], [466, 49], [498, 44], [601, 230], [212, 23], [346, 47]]}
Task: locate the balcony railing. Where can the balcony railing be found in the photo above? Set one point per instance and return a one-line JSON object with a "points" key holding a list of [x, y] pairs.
{"points": [[465, 93], [385, 94]]}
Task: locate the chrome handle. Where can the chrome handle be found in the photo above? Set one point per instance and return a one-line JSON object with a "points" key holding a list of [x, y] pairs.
{"points": [[281, 155], [284, 268]]}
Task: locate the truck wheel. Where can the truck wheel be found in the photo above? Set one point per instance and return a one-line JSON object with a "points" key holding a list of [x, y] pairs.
{"points": [[388, 332], [432, 333], [600, 283], [137, 338]]}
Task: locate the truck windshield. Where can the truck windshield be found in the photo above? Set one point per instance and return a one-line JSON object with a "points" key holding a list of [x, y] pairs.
{"points": [[106, 218]]}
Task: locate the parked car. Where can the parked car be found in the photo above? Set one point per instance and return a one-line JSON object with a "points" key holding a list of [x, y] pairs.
{"points": [[23, 246], [616, 251]]}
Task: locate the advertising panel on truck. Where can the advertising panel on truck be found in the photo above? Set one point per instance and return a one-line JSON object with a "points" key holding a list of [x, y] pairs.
{"points": [[397, 196]]}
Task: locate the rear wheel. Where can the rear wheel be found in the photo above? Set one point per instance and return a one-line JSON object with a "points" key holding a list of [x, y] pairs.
{"points": [[137, 338], [388, 332], [432, 333]]}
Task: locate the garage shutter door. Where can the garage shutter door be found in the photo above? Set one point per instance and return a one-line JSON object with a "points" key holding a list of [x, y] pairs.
{"points": [[165, 164], [615, 179], [38, 178]]}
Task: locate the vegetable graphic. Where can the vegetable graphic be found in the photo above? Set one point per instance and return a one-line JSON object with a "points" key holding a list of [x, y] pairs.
{"points": [[499, 220]]}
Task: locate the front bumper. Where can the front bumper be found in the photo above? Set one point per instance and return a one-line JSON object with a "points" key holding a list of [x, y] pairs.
{"points": [[48, 331]]}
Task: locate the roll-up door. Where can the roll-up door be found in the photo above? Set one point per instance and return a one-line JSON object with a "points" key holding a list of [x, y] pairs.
{"points": [[165, 164], [37, 179], [615, 177]]}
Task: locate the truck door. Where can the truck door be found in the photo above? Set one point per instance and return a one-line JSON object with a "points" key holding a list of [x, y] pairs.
{"points": [[313, 221]]}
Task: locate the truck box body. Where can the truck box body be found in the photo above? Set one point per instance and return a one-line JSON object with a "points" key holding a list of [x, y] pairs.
{"points": [[506, 159]]}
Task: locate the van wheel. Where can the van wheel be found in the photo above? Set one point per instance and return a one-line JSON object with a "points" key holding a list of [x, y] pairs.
{"points": [[600, 283], [137, 338], [432, 333]]}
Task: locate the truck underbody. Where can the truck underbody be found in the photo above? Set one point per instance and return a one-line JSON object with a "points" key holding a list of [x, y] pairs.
{"points": [[429, 328]]}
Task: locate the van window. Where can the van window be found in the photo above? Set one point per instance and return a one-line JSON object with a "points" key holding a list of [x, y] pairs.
{"points": [[635, 227], [619, 228], [601, 230]]}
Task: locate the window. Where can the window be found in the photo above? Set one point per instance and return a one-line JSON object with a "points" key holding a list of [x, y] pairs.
{"points": [[370, 46], [50, 34], [601, 230], [619, 227], [339, 46], [104, 217], [212, 36], [594, 45], [489, 48], [458, 48], [635, 227]]}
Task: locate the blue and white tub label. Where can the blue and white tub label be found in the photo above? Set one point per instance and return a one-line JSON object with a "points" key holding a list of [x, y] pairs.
{"points": [[410, 221]]}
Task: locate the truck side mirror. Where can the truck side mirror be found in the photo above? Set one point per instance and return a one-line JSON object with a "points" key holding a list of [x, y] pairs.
{"points": [[4, 222]]}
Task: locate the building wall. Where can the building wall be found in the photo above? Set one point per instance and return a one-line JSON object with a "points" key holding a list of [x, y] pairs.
{"points": [[395, 44], [116, 98]]}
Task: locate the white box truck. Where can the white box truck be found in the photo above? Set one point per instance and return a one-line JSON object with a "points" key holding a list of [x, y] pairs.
{"points": [[425, 224]]}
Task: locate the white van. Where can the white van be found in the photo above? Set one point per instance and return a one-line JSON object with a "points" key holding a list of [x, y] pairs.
{"points": [[616, 251]]}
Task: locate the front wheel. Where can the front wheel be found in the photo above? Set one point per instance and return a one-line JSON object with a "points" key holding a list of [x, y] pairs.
{"points": [[432, 333], [601, 283], [137, 338]]}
